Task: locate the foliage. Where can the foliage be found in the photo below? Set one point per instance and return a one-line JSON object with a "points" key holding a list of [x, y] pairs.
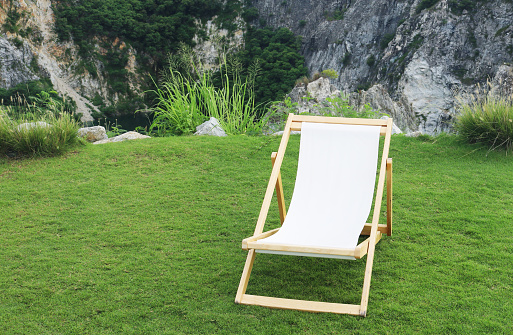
{"points": [[26, 91], [38, 133], [424, 4], [486, 120], [458, 6], [302, 81], [277, 52], [52, 125], [387, 38], [335, 106], [178, 108], [329, 73], [14, 15], [168, 260], [153, 27], [339, 106], [371, 60], [35, 97], [335, 15], [185, 99], [346, 60]]}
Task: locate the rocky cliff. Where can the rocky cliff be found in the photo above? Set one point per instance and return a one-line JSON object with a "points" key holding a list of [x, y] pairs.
{"points": [[409, 58], [32, 50], [421, 53]]}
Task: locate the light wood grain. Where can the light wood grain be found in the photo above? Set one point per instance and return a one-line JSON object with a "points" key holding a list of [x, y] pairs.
{"points": [[297, 125], [375, 220], [301, 305], [361, 249], [244, 279], [274, 177], [258, 237], [303, 249], [279, 192], [383, 228], [374, 229], [389, 197]]}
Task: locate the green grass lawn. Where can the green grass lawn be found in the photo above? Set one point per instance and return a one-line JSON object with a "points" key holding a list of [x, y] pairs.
{"points": [[144, 237]]}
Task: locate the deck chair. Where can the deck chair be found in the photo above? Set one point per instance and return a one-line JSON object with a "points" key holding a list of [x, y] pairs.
{"points": [[331, 202]]}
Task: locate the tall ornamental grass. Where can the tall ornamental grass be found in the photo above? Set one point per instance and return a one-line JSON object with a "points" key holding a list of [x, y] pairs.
{"points": [[187, 96], [488, 120], [35, 131]]}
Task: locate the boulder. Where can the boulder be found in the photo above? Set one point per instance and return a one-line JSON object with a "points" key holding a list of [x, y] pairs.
{"points": [[414, 134], [131, 135], [321, 89], [93, 134], [210, 127]]}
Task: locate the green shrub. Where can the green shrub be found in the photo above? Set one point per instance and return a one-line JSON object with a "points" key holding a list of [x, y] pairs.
{"points": [[186, 100], [488, 120], [387, 38], [371, 60], [329, 73], [458, 6], [35, 134], [424, 4], [277, 52], [336, 15], [339, 106], [346, 60]]}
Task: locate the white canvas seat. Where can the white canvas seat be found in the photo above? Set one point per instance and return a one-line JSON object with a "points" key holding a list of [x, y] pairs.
{"points": [[328, 209], [332, 198]]}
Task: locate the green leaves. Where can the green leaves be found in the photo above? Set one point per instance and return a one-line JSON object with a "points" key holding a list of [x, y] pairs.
{"points": [[280, 61], [488, 121]]}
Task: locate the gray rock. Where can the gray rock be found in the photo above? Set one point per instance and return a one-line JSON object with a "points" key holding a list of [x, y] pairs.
{"points": [[30, 125], [131, 135], [93, 134], [14, 61], [431, 56], [414, 134], [378, 98], [321, 89], [210, 127]]}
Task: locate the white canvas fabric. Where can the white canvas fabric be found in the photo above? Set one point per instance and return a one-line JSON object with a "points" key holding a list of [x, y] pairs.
{"points": [[334, 187]]}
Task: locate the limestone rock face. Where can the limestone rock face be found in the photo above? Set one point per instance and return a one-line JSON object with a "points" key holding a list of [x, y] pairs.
{"points": [[378, 99], [321, 89], [313, 100], [131, 135], [421, 58], [210, 127], [93, 134], [14, 65]]}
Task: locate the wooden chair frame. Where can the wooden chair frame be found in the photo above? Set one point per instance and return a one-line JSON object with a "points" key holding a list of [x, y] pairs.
{"points": [[374, 230]]}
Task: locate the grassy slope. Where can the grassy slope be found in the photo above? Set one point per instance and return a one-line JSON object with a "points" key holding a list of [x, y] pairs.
{"points": [[144, 237]]}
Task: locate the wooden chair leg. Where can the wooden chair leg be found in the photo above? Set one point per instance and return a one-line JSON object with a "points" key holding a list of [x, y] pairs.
{"points": [[389, 196], [243, 285], [279, 192]]}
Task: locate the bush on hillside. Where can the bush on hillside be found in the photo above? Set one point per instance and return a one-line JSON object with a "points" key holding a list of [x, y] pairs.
{"points": [[281, 64], [43, 127], [186, 98], [488, 120], [37, 135]]}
